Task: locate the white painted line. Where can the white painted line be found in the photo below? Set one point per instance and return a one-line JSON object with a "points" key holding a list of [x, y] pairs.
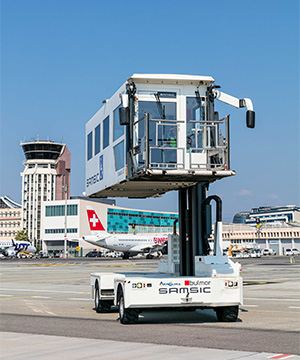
{"points": [[41, 297], [43, 291], [272, 299], [251, 305], [79, 299], [49, 312], [294, 307], [2, 295]]}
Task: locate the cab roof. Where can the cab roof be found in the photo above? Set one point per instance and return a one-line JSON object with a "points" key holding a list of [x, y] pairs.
{"points": [[172, 79]]}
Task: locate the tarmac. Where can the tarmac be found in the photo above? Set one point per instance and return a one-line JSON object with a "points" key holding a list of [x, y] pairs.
{"points": [[17, 346]]}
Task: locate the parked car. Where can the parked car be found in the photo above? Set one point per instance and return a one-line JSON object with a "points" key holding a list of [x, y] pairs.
{"points": [[255, 253], [288, 252], [268, 252], [93, 254], [296, 252], [246, 254], [43, 254]]}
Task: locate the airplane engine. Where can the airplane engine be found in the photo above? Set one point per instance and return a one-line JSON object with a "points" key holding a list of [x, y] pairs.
{"points": [[9, 253]]}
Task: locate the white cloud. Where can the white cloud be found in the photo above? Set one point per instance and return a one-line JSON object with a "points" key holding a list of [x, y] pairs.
{"points": [[244, 192]]}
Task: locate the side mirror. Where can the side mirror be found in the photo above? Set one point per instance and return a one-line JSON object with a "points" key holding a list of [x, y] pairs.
{"points": [[124, 116], [250, 119]]}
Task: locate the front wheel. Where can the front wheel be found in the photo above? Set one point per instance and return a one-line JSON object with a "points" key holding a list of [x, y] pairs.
{"points": [[227, 313], [127, 316]]}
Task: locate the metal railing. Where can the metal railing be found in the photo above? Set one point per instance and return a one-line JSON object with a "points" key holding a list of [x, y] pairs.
{"points": [[206, 148]]}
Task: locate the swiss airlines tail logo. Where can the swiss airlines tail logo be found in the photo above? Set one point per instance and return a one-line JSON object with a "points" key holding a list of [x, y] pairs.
{"points": [[94, 221]]}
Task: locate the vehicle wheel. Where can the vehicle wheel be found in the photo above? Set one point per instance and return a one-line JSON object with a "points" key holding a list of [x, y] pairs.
{"points": [[227, 313], [102, 306], [127, 316], [97, 299], [125, 256]]}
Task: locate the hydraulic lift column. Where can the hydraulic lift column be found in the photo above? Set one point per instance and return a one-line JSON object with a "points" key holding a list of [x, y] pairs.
{"points": [[191, 230]]}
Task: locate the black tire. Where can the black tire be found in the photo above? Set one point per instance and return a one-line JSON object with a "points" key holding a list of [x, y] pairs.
{"points": [[102, 306], [127, 316], [97, 299], [125, 256], [227, 313]]}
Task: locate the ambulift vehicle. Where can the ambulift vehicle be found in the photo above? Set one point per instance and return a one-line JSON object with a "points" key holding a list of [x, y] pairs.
{"points": [[172, 140]]}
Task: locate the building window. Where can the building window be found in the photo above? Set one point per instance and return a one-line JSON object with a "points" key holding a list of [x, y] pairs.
{"points": [[61, 231], [90, 145], [105, 132], [118, 129], [119, 156], [97, 139], [59, 210]]}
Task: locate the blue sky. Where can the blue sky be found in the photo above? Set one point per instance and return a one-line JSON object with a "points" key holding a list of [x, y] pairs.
{"points": [[61, 58]]}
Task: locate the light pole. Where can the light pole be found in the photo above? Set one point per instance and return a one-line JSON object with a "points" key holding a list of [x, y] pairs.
{"points": [[65, 190]]}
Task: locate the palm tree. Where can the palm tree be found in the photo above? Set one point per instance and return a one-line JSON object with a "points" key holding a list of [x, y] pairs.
{"points": [[22, 236]]}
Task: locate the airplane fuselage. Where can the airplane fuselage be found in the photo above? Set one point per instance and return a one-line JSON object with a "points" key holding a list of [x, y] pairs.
{"points": [[128, 243], [12, 247]]}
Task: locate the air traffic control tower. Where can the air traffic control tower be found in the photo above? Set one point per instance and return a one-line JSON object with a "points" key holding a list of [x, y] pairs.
{"points": [[159, 133]]}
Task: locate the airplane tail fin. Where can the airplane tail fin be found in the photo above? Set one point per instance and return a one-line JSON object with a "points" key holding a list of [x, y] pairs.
{"points": [[94, 221]]}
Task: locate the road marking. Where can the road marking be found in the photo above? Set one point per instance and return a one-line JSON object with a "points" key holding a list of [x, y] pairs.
{"points": [[294, 307], [272, 299], [21, 297], [113, 266], [280, 356], [6, 295], [281, 279], [44, 291], [46, 265], [251, 305], [79, 299], [49, 312], [42, 297]]}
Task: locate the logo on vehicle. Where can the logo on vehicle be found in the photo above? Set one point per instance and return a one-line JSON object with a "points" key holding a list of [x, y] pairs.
{"points": [[169, 283], [195, 283]]}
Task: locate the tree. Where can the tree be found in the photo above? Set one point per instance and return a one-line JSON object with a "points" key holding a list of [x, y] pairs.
{"points": [[22, 236]]}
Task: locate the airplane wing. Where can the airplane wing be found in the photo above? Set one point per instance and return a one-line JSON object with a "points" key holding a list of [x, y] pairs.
{"points": [[146, 248]]}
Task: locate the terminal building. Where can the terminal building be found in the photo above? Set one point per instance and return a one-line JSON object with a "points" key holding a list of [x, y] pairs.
{"points": [[275, 215], [46, 177], [120, 220], [115, 219], [10, 218]]}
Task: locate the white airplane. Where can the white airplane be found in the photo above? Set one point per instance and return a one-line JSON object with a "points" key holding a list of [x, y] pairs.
{"points": [[10, 248], [130, 245]]}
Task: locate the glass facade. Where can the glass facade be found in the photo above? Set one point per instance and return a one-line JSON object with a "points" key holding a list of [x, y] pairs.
{"points": [[59, 210], [120, 221], [97, 139], [105, 132]]}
